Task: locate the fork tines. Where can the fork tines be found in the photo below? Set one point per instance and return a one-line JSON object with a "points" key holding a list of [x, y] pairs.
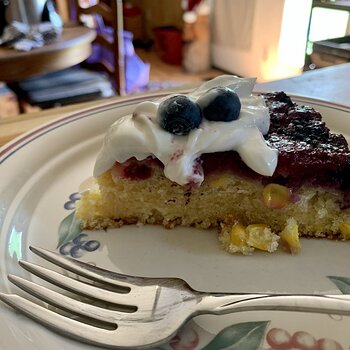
{"points": [[108, 299]]}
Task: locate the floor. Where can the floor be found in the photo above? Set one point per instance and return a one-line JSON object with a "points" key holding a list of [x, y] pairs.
{"points": [[162, 75], [163, 72]]}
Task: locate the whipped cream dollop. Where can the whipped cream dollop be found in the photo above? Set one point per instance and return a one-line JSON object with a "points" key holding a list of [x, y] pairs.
{"points": [[139, 135]]}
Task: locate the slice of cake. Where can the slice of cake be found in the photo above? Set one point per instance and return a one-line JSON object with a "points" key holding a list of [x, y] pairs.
{"points": [[260, 168]]}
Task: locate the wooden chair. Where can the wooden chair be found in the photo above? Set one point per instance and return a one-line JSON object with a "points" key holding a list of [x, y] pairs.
{"points": [[111, 12]]}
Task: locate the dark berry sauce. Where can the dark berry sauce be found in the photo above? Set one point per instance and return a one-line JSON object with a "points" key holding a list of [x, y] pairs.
{"points": [[138, 170], [307, 151]]}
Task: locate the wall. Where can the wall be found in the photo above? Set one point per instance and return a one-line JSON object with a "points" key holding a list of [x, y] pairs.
{"points": [[263, 29], [158, 13]]}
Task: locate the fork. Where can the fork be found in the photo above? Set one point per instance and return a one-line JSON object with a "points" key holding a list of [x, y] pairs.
{"points": [[127, 312]]}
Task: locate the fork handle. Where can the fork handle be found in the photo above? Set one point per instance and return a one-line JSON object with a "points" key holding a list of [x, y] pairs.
{"points": [[225, 303]]}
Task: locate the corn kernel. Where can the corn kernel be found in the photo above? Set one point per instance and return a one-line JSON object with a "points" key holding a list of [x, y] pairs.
{"points": [[290, 237], [344, 229], [261, 237], [276, 196], [237, 240], [238, 235], [221, 181]]}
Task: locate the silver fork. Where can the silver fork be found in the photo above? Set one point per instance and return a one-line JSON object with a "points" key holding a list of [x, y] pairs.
{"points": [[120, 311]]}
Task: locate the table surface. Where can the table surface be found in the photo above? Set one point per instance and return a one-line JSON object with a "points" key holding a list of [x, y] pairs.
{"points": [[72, 47], [330, 84]]}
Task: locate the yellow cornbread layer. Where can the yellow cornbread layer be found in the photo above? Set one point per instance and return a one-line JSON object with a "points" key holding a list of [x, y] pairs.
{"points": [[157, 200]]}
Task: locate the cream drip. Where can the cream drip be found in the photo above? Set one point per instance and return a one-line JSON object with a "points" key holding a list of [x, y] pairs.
{"points": [[139, 135]]}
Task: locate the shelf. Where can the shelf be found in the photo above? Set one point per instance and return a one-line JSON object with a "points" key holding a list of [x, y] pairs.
{"points": [[335, 5]]}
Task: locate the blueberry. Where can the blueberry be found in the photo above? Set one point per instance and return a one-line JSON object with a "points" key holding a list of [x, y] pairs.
{"points": [[220, 104], [179, 114], [91, 246]]}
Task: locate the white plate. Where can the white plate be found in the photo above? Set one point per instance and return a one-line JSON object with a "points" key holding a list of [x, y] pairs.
{"points": [[42, 169]]}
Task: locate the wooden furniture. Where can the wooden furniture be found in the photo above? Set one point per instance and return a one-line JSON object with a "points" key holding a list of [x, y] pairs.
{"points": [[331, 84], [71, 48], [111, 13]]}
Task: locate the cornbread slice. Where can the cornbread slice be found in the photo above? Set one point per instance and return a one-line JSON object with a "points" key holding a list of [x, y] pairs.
{"points": [[309, 188], [157, 200]]}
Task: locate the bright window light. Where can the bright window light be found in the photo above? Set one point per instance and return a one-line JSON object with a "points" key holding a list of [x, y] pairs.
{"points": [[328, 23], [293, 36]]}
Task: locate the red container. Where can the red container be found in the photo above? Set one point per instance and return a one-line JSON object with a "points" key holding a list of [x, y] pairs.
{"points": [[168, 44]]}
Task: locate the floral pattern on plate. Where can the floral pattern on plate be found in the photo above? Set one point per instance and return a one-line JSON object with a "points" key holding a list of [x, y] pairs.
{"points": [[71, 241], [253, 336]]}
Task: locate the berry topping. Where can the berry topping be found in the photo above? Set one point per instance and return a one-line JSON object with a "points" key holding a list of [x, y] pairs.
{"points": [[220, 104], [179, 115]]}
